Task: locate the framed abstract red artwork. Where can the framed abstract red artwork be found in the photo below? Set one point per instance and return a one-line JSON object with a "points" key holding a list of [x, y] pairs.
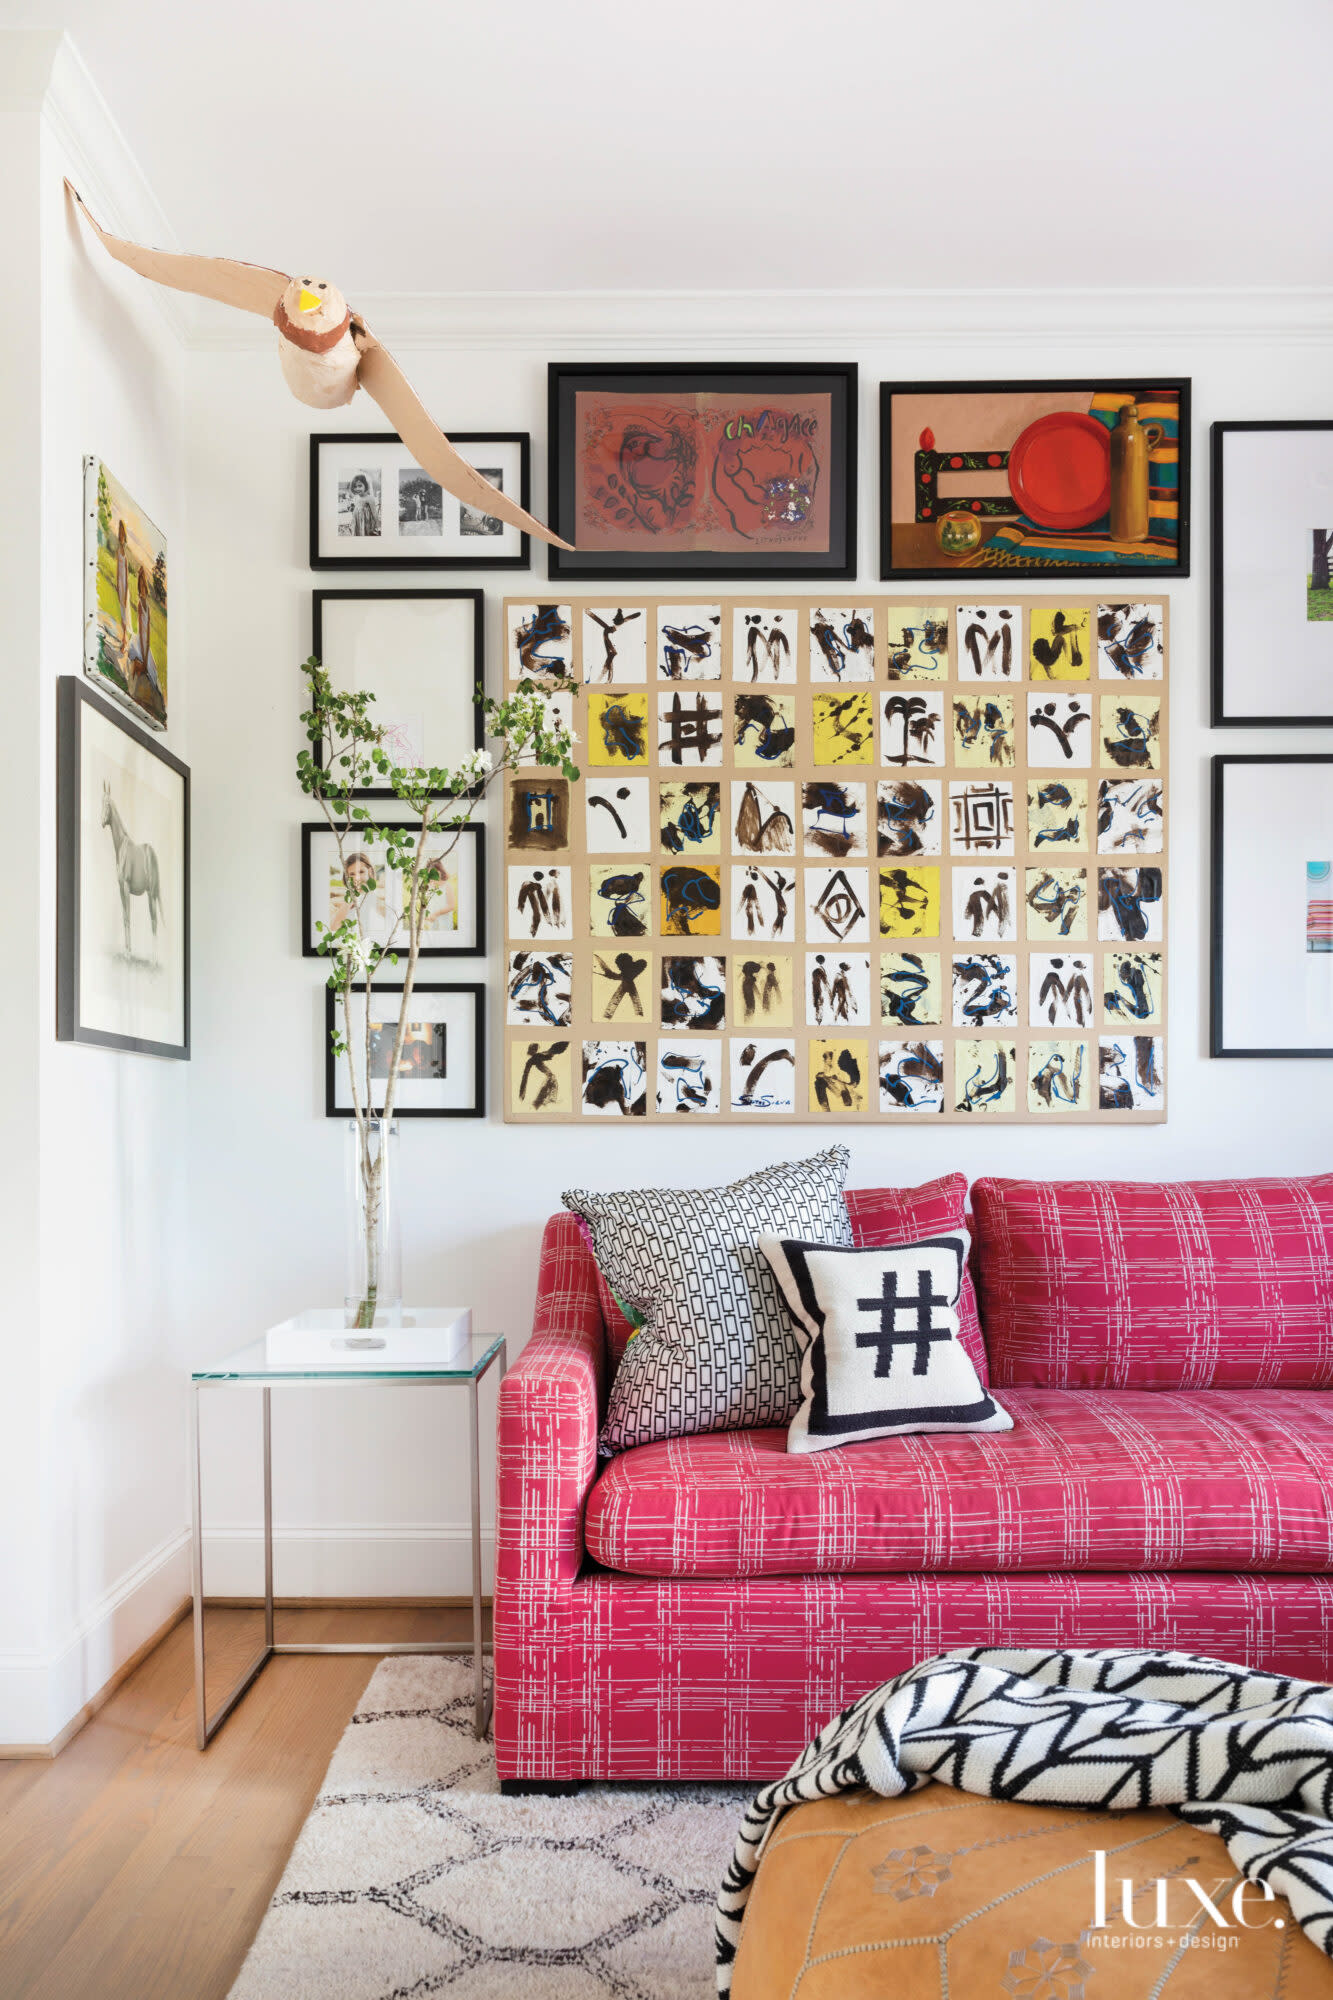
{"points": [[698, 471], [1076, 478]]}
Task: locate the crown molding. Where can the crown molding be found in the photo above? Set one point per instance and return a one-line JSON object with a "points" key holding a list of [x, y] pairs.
{"points": [[775, 323], [102, 163]]}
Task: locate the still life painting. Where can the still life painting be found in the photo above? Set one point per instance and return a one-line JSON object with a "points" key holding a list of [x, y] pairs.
{"points": [[1087, 477], [125, 597], [692, 470]]}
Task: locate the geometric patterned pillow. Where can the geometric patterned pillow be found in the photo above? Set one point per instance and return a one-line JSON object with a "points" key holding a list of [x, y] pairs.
{"points": [[883, 1355], [717, 1349]]}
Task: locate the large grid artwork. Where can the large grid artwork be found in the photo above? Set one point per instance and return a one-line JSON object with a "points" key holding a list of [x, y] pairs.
{"points": [[841, 860]]}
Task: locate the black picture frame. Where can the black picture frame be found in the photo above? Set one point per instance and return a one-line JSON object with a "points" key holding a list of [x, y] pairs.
{"points": [[462, 439], [477, 1109], [1217, 593], [1019, 575], [312, 829], [74, 699], [1217, 1045], [477, 598], [664, 377]]}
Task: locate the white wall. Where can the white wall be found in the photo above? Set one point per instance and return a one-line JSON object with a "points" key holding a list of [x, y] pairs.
{"points": [[92, 1416], [361, 1478]]}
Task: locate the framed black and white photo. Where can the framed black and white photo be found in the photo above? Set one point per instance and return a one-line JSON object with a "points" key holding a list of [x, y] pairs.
{"points": [[332, 889], [372, 506], [1273, 906], [122, 883], [422, 654], [442, 1066], [1272, 597], [669, 469]]}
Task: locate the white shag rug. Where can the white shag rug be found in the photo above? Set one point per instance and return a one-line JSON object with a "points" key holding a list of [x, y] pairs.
{"points": [[413, 1876]]}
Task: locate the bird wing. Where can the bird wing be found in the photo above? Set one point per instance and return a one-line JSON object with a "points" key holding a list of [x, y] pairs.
{"points": [[385, 383], [250, 286]]}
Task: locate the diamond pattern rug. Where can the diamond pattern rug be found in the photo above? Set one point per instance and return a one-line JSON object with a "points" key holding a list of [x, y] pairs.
{"points": [[412, 1876]]}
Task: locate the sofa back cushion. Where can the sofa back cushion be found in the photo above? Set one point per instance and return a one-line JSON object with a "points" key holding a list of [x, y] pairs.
{"points": [[884, 1217], [1156, 1285]]}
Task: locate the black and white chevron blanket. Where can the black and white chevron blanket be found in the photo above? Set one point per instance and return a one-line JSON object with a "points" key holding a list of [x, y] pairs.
{"points": [[1245, 1755]]}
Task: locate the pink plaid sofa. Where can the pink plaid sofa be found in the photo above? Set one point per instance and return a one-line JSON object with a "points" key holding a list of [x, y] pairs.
{"points": [[700, 1608]]}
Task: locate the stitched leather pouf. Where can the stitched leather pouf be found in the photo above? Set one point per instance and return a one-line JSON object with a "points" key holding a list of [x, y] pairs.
{"points": [[943, 1896]]}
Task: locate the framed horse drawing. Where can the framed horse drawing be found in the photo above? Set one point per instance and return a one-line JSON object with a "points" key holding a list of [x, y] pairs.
{"points": [[122, 883]]}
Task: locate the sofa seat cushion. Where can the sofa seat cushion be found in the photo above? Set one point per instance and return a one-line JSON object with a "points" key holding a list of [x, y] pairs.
{"points": [[1109, 1480], [1156, 1285]]}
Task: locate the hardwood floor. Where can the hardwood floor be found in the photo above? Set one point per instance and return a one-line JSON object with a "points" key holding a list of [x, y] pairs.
{"points": [[132, 1867]]}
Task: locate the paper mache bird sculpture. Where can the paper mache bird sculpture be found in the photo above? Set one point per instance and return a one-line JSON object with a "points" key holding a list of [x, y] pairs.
{"points": [[327, 353]]}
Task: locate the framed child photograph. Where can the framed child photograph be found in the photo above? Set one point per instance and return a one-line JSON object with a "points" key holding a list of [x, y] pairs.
{"points": [[332, 890], [1272, 596], [442, 1062], [421, 654], [372, 506], [122, 883], [736, 470], [1071, 478], [1272, 970]]}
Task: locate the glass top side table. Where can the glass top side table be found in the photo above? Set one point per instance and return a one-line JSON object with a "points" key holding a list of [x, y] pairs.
{"points": [[446, 1358]]}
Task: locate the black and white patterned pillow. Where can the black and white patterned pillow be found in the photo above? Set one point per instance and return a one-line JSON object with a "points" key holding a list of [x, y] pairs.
{"points": [[882, 1353], [717, 1350]]}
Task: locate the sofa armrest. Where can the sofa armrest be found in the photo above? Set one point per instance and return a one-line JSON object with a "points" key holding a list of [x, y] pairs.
{"points": [[549, 1413]]}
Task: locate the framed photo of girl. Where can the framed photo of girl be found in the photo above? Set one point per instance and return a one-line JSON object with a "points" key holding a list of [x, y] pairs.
{"points": [[122, 883], [330, 890], [442, 1067]]}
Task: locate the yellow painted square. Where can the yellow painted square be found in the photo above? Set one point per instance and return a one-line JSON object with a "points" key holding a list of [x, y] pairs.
{"points": [[1061, 643], [840, 1077], [909, 902], [541, 1077], [691, 899], [843, 726], [985, 1076], [618, 729]]}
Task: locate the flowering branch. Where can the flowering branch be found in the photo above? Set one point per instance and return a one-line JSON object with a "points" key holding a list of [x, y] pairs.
{"points": [[345, 758]]}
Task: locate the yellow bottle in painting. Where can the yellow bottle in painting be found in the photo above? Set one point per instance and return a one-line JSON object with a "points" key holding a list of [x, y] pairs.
{"points": [[1130, 445]]}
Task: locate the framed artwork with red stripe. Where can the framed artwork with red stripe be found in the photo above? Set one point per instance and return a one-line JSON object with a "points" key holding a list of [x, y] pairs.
{"points": [[1272, 984], [1072, 478]]}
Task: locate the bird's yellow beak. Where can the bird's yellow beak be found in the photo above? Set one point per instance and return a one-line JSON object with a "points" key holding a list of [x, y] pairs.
{"points": [[309, 301]]}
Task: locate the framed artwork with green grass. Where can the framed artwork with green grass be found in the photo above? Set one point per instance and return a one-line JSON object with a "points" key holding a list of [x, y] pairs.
{"points": [[124, 597], [1272, 589]]}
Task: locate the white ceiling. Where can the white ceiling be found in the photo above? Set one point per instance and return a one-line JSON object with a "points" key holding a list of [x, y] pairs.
{"points": [[568, 145]]}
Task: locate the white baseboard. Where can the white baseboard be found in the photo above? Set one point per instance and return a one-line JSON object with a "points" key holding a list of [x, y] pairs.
{"points": [[406, 1560], [42, 1693]]}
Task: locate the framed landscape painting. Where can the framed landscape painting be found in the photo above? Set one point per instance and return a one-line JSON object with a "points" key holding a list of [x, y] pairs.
{"points": [[122, 883], [1063, 478], [697, 471], [421, 654], [372, 506], [124, 597], [1272, 593], [1272, 985]]}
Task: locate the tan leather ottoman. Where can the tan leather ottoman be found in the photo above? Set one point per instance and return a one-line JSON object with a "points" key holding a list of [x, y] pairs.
{"points": [[944, 1896]]}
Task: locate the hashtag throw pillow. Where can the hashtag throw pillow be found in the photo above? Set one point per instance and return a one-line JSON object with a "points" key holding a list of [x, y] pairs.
{"points": [[882, 1354]]}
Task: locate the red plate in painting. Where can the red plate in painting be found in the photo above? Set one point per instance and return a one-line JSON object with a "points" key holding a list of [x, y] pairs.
{"points": [[1060, 470]]}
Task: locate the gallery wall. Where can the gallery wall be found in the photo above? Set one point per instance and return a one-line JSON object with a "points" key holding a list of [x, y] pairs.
{"points": [[371, 1490], [95, 1165]]}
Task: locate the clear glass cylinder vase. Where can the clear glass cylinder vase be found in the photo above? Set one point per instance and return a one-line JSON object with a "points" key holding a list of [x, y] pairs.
{"points": [[373, 1292]]}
